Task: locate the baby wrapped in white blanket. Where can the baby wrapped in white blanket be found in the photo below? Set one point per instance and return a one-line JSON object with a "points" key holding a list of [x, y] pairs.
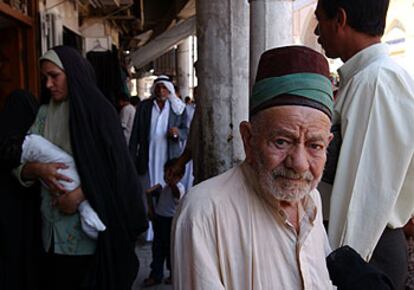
{"points": [[35, 148]]}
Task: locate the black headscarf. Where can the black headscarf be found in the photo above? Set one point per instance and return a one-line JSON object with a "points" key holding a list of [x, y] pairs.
{"points": [[16, 118], [108, 177], [20, 244]]}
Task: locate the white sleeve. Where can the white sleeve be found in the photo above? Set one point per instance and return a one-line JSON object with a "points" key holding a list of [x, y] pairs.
{"points": [[17, 172], [194, 254], [181, 189], [90, 221]]}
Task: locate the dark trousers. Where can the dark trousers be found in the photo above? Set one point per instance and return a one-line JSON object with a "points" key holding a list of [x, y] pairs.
{"points": [[391, 256], [161, 246], [66, 272]]}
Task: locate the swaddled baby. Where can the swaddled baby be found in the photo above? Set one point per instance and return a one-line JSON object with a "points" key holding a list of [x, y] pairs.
{"points": [[35, 148]]}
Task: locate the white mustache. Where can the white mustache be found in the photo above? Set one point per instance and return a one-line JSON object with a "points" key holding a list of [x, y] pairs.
{"points": [[288, 173]]}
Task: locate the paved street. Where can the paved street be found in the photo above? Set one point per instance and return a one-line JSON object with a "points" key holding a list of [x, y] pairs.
{"points": [[144, 254]]}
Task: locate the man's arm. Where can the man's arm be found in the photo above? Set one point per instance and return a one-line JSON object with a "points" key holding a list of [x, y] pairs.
{"points": [[151, 192], [182, 127], [175, 172], [194, 255]]}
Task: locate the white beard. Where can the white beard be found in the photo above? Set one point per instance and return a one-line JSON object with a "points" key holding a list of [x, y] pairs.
{"points": [[279, 184]]}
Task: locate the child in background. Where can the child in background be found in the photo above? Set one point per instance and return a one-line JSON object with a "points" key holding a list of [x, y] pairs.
{"points": [[166, 198]]}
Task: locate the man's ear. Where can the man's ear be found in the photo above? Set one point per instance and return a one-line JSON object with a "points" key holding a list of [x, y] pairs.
{"points": [[246, 134], [330, 138], [341, 18]]}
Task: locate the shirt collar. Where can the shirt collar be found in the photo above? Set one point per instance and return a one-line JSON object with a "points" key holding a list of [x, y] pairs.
{"points": [[165, 108], [360, 61]]}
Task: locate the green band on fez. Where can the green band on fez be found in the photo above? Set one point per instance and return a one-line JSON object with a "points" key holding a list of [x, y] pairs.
{"points": [[312, 86]]}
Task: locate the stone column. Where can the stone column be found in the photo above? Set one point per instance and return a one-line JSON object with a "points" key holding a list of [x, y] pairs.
{"points": [[223, 84], [141, 87], [183, 66], [271, 25]]}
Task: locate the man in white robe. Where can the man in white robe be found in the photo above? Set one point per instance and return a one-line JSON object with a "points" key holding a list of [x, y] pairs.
{"points": [[259, 225], [372, 196], [159, 129], [126, 115]]}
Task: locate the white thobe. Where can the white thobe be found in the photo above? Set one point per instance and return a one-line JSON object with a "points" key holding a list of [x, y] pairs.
{"points": [[127, 116], [374, 183], [225, 236], [158, 146]]}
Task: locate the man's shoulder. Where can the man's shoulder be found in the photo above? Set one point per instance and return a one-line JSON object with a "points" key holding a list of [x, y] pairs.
{"points": [[130, 108], [387, 74], [382, 72], [127, 110], [383, 66], [147, 102], [145, 107], [213, 193]]}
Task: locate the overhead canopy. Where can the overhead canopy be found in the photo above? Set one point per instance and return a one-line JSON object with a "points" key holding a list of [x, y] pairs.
{"points": [[163, 42]]}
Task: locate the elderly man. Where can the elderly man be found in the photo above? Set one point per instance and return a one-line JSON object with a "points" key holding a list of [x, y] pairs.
{"points": [[258, 226], [372, 197]]}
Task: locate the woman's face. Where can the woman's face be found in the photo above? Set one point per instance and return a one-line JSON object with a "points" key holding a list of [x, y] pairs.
{"points": [[55, 80]]}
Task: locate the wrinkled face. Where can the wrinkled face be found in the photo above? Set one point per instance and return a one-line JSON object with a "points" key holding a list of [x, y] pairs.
{"points": [[55, 80], [287, 147], [161, 91], [326, 32]]}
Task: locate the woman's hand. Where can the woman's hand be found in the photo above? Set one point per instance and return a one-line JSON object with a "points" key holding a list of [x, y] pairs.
{"points": [[69, 202], [48, 173]]}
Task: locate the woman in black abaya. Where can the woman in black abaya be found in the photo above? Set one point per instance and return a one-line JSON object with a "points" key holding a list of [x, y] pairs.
{"points": [[82, 122], [19, 206]]}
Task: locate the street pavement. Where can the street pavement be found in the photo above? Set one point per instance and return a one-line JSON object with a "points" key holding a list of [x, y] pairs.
{"points": [[143, 251]]}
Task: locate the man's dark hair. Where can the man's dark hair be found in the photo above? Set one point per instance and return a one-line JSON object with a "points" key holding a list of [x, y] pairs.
{"points": [[367, 16]]}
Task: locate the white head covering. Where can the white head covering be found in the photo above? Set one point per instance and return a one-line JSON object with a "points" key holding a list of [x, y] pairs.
{"points": [[177, 105], [57, 120], [52, 56]]}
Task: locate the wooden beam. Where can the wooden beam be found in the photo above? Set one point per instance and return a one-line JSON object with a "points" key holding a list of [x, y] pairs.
{"points": [[15, 14], [121, 17]]}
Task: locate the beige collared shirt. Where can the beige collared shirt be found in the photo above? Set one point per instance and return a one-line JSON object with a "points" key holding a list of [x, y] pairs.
{"points": [[226, 236]]}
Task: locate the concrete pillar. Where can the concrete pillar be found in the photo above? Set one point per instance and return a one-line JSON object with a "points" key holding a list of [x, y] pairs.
{"points": [[223, 83], [184, 66], [141, 88], [271, 25]]}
